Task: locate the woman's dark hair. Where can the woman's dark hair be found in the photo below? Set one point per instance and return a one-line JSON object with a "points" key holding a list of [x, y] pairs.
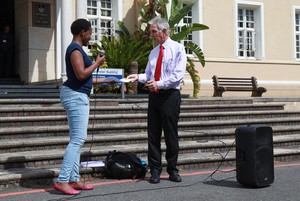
{"points": [[79, 25]]}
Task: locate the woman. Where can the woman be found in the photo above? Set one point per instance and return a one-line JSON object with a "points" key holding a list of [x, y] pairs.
{"points": [[74, 96]]}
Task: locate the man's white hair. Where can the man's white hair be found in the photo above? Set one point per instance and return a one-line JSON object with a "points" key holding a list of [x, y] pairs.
{"points": [[161, 24]]}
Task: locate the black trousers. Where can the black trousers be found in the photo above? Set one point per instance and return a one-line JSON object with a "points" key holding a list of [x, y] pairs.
{"points": [[163, 114]]}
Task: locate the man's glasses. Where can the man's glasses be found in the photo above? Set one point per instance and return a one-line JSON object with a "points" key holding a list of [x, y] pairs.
{"points": [[154, 31]]}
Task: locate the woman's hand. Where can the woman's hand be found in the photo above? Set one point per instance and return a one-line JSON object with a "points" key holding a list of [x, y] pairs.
{"points": [[100, 60]]}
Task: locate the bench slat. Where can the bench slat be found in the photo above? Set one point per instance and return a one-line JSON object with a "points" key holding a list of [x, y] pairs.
{"points": [[235, 84], [237, 89], [227, 78], [234, 81]]}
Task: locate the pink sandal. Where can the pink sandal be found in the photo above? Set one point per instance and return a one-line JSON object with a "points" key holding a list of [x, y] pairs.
{"points": [[83, 187], [66, 192]]}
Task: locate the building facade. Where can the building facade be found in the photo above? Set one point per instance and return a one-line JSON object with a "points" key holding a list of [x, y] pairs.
{"points": [[245, 38], [252, 38]]}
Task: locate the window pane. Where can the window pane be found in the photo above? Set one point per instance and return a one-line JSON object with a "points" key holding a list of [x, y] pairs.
{"points": [[298, 45], [297, 34], [94, 23], [92, 7], [241, 40], [106, 13], [188, 19], [241, 53], [91, 11], [101, 20], [106, 4], [249, 19], [246, 36], [106, 28], [250, 15], [240, 18]]}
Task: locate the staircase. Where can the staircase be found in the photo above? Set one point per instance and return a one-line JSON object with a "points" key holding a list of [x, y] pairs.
{"points": [[14, 89], [34, 133]]}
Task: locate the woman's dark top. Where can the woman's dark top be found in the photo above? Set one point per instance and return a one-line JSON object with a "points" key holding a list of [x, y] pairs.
{"points": [[83, 86]]}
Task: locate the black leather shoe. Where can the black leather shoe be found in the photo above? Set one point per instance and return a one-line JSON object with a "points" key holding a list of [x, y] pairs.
{"points": [[175, 177], [154, 179]]}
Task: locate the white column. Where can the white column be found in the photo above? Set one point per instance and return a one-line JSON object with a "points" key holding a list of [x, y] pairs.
{"points": [[120, 10], [81, 12], [58, 56], [81, 9], [66, 36]]}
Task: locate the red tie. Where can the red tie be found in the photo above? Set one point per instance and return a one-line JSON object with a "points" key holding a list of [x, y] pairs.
{"points": [[158, 64]]}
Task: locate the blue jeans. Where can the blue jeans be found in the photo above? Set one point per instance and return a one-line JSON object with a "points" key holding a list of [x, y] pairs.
{"points": [[77, 107]]}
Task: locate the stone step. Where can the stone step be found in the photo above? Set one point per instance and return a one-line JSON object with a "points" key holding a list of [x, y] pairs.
{"points": [[136, 108], [129, 100], [22, 176], [17, 176], [45, 158], [54, 120], [59, 130], [119, 138], [29, 91]]}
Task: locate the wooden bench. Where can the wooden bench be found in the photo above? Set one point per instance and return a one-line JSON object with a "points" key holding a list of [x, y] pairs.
{"points": [[222, 84]]}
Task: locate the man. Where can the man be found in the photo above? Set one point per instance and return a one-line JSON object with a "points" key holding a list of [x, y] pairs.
{"points": [[164, 98], [6, 52]]}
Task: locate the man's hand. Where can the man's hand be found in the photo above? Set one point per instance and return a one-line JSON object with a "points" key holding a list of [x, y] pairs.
{"points": [[152, 85], [133, 77]]}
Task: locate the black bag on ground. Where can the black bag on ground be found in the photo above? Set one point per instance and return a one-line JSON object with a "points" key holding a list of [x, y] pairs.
{"points": [[121, 165]]}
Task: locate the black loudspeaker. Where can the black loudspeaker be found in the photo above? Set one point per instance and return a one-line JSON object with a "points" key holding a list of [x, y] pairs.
{"points": [[254, 155]]}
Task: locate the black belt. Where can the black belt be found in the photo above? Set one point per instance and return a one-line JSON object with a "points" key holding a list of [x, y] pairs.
{"points": [[166, 91]]}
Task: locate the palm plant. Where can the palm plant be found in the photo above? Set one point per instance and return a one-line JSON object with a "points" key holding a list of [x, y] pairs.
{"points": [[121, 52], [177, 12]]}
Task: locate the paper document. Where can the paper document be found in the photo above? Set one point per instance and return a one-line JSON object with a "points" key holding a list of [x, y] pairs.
{"points": [[92, 164], [126, 80]]}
